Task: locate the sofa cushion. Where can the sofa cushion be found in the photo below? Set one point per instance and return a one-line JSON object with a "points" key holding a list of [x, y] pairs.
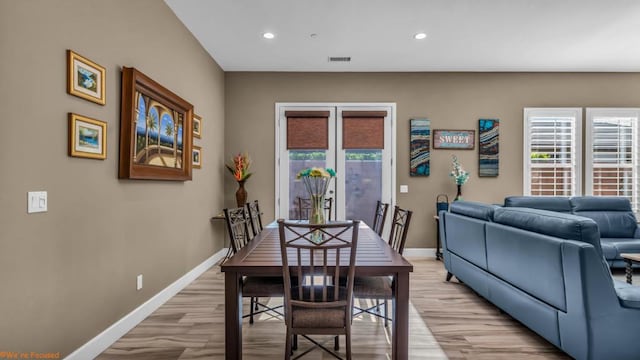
{"points": [[628, 295], [564, 226], [473, 209], [551, 203], [617, 246], [613, 215]]}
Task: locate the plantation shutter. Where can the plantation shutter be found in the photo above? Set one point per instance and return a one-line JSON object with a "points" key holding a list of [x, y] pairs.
{"points": [[307, 130], [363, 129], [612, 153], [552, 151]]}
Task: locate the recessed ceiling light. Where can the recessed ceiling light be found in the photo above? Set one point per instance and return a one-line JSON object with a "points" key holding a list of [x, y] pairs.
{"points": [[420, 36], [268, 35]]}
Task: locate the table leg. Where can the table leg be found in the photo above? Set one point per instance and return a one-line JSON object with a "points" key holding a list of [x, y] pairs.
{"points": [[400, 336], [233, 315], [629, 270]]}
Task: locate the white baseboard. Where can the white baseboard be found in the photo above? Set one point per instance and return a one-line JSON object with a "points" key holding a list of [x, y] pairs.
{"points": [[102, 341], [419, 252]]}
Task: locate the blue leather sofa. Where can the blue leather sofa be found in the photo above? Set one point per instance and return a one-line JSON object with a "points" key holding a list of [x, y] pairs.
{"points": [[547, 270], [619, 232]]}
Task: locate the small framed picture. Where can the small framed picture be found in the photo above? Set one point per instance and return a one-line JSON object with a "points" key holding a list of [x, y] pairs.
{"points": [[197, 126], [196, 158], [85, 78], [454, 139], [87, 137]]}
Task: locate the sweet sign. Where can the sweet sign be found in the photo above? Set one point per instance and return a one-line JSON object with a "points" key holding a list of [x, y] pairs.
{"points": [[454, 139]]}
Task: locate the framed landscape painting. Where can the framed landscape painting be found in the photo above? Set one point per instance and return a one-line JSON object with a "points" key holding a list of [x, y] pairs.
{"points": [[196, 158], [420, 144], [87, 137], [197, 126], [155, 130], [85, 78]]}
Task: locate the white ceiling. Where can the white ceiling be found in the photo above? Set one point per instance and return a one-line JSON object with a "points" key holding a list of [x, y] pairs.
{"points": [[463, 35]]}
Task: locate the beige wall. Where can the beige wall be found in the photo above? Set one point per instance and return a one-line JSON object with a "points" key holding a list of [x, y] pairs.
{"points": [[70, 273], [450, 100]]}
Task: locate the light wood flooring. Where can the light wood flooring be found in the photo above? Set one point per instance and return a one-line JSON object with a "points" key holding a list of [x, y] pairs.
{"points": [[446, 318]]}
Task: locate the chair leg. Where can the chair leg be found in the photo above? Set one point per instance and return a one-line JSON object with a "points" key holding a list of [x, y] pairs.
{"points": [[386, 313], [256, 301], [348, 344], [287, 349], [251, 311], [336, 345], [378, 306], [295, 342]]}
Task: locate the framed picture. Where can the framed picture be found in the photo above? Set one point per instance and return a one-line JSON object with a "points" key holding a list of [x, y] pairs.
{"points": [[197, 126], [454, 139], [85, 78], [488, 147], [87, 137], [420, 144], [155, 130], [196, 158]]}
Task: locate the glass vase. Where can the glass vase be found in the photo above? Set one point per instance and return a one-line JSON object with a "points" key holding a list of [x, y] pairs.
{"points": [[459, 194], [317, 209]]}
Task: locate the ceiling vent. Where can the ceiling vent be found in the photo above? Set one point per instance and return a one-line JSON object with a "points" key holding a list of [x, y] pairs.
{"points": [[339, 58]]}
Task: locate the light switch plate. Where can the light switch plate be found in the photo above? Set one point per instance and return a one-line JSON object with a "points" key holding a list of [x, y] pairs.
{"points": [[404, 188], [36, 201]]}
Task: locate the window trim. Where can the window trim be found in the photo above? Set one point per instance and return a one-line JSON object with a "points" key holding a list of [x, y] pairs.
{"points": [[576, 145]]}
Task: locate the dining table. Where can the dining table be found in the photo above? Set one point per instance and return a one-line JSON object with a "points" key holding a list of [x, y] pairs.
{"points": [[262, 257]]}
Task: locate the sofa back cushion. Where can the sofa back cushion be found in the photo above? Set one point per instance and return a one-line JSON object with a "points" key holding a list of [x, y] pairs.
{"points": [[473, 209], [613, 215], [551, 203], [551, 223]]}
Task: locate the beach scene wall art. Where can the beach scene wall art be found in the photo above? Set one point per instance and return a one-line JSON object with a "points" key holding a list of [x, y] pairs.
{"points": [[489, 148], [420, 139]]}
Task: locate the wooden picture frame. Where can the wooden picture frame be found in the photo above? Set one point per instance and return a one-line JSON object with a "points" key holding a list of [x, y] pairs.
{"points": [[197, 126], [454, 139], [87, 137], [85, 78], [155, 130], [196, 157]]}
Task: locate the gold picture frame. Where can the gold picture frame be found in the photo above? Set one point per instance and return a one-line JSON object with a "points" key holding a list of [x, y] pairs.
{"points": [[196, 157], [197, 126], [85, 78], [87, 137]]}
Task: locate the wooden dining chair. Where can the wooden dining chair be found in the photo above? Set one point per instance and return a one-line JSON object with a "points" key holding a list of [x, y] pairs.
{"points": [[255, 217], [313, 255], [304, 208], [381, 287], [380, 217], [253, 287]]}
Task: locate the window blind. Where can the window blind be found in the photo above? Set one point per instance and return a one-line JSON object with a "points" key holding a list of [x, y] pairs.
{"points": [[307, 130], [363, 129], [612, 153], [552, 152]]}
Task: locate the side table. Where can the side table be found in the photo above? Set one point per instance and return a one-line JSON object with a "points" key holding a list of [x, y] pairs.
{"points": [[630, 259], [438, 252]]}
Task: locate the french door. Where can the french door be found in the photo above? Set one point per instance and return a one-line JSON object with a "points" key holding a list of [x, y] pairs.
{"points": [[357, 140]]}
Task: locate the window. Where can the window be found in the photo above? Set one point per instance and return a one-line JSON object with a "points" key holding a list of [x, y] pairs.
{"points": [[611, 153], [552, 151]]}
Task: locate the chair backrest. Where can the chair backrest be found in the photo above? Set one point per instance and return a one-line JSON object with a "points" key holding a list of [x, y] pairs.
{"points": [[255, 217], [399, 228], [304, 208], [237, 227], [314, 256], [379, 217]]}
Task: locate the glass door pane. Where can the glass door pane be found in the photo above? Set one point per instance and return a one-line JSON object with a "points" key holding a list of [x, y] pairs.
{"points": [[298, 160], [363, 183]]}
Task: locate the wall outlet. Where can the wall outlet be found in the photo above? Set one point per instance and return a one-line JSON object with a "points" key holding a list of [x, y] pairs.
{"points": [[36, 201], [139, 282]]}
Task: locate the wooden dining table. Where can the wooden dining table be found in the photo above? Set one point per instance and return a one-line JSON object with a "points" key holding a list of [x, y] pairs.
{"points": [[262, 257]]}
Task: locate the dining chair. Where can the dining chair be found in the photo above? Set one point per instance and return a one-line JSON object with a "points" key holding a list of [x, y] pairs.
{"points": [[379, 217], [304, 208], [253, 287], [255, 217], [313, 255], [381, 287]]}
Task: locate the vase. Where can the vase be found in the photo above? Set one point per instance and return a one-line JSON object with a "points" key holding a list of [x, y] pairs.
{"points": [[241, 194], [459, 194], [317, 209]]}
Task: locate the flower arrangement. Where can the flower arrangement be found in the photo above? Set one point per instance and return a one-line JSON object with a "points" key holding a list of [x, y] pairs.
{"points": [[459, 175], [316, 180], [239, 167]]}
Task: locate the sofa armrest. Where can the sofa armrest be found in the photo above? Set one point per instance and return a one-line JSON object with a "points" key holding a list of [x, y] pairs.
{"points": [[628, 294], [636, 235]]}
